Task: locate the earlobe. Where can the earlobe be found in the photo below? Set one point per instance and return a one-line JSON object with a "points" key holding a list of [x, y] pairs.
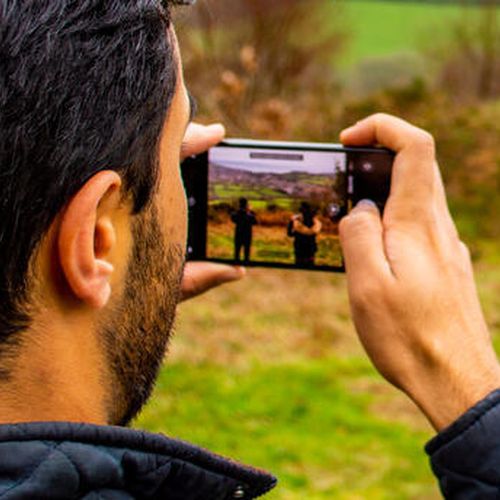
{"points": [[87, 236]]}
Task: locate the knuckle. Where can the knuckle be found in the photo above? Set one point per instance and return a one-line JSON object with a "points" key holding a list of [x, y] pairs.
{"points": [[425, 141], [382, 117], [452, 255], [366, 296], [383, 120], [464, 249]]}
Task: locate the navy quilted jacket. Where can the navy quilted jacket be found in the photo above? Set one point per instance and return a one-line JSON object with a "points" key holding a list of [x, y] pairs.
{"points": [[70, 461]]}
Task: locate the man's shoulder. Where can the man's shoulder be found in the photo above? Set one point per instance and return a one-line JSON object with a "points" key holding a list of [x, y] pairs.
{"points": [[131, 463]]}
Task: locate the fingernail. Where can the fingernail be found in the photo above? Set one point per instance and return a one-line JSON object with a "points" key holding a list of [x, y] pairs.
{"points": [[366, 204]]}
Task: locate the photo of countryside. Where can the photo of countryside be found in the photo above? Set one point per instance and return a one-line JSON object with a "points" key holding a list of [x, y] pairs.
{"points": [[281, 213]]}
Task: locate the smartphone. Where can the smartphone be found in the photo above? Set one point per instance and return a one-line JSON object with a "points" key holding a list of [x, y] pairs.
{"points": [[279, 204]]}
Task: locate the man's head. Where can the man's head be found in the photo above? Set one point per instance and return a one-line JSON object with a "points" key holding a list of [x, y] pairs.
{"points": [[93, 111], [305, 208], [243, 203]]}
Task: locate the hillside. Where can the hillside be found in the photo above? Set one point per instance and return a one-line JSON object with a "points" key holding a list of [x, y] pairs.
{"points": [[292, 184]]}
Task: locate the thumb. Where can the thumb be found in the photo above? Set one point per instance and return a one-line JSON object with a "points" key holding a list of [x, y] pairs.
{"points": [[362, 240], [200, 277]]}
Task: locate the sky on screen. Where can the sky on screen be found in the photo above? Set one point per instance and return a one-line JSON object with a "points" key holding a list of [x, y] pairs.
{"points": [[278, 162]]}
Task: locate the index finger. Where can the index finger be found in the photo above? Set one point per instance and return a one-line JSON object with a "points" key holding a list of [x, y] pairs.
{"points": [[386, 130], [415, 167]]}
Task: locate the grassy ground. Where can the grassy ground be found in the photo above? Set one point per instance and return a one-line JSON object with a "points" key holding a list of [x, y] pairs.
{"points": [[270, 244], [269, 371], [313, 423]]}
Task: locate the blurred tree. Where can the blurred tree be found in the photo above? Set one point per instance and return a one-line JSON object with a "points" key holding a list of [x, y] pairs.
{"points": [[471, 69], [250, 59]]}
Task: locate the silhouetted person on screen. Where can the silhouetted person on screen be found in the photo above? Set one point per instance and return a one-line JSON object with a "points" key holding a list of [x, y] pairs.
{"points": [[304, 228], [244, 219]]}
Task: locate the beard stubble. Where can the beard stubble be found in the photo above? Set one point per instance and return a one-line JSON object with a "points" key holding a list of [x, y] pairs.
{"points": [[137, 333]]}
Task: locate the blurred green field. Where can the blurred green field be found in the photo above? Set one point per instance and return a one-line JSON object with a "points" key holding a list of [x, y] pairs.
{"points": [[385, 28], [315, 423]]}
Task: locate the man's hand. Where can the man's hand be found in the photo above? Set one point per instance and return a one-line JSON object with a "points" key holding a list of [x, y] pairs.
{"points": [[411, 283], [199, 277]]}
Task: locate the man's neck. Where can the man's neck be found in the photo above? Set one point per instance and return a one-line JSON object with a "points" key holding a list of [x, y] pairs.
{"points": [[57, 376]]}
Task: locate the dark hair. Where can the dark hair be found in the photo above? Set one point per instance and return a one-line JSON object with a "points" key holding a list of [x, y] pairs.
{"points": [[308, 214], [85, 86], [243, 203]]}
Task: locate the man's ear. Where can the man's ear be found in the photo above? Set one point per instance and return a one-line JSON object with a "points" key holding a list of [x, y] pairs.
{"points": [[87, 236]]}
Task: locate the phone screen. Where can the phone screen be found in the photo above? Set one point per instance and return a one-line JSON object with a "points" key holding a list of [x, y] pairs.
{"points": [[277, 207], [279, 204]]}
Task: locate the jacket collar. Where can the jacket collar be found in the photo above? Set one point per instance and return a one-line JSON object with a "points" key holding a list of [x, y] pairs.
{"points": [[135, 462]]}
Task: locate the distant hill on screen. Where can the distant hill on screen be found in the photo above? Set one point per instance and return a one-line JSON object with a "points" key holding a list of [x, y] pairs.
{"points": [[292, 184]]}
